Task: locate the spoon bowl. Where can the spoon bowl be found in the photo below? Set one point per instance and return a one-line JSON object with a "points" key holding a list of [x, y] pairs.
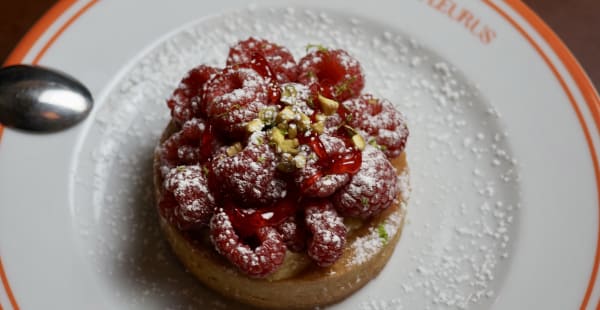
{"points": [[39, 99]]}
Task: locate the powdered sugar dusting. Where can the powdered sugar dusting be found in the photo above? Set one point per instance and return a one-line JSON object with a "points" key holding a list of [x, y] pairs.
{"points": [[365, 247], [456, 245]]}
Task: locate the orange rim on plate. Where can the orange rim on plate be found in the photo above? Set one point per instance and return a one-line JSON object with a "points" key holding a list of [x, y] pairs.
{"points": [[18, 55], [584, 84], [558, 47]]}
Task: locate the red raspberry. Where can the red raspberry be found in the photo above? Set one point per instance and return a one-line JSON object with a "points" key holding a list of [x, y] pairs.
{"points": [[279, 59], [193, 144], [186, 101], [328, 232], [167, 205], [372, 189], [335, 73], [382, 124], [250, 176], [234, 97], [261, 261], [313, 178], [294, 234], [195, 202]]}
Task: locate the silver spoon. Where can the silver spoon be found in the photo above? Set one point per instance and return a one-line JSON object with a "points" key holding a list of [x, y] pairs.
{"points": [[41, 100]]}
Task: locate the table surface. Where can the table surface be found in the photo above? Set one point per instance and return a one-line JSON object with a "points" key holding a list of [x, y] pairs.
{"points": [[575, 21]]}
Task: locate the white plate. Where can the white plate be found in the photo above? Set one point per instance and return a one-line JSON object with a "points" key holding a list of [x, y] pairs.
{"points": [[504, 210]]}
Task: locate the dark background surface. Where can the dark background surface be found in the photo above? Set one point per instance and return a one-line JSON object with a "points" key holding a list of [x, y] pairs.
{"points": [[577, 22]]}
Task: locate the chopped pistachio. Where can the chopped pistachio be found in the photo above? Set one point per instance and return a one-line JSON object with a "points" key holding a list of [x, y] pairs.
{"points": [[292, 131], [277, 135], [364, 201], [261, 159], [267, 115], [286, 114], [320, 117], [318, 127], [374, 143], [359, 142], [319, 47], [383, 235], [255, 125], [285, 92], [292, 90], [285, 145], [344, 86], [329, 106], [286, 164], [348, 118], [300, 161], [289, 91], [310, 102], [304, 123], [283, 126], [180, 168], [234, 149], [287, 157], [289, 146], [350, 131]]}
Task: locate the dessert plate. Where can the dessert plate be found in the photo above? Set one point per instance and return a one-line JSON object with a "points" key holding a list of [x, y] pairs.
{"points": [[504, 209]]}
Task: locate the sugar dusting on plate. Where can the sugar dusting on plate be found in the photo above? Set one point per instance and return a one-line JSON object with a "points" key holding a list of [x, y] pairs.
{"points": [[456, 243]]}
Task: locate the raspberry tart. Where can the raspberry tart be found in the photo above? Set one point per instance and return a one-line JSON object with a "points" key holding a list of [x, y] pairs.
{"points": [[280, 183]]}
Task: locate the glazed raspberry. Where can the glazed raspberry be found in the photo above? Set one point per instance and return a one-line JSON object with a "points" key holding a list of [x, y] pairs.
{"points": [[294, 234], [195, 202], [315, 180], [279, 59], [234, 97], [193, 144], [371, 190], [336, 74], [250, 176], [382, 124], [186, 101], [166, 206], [261, 261], [328, 232]]}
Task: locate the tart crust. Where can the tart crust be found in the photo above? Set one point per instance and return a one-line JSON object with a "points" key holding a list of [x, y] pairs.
{"points": [[299, 284]]}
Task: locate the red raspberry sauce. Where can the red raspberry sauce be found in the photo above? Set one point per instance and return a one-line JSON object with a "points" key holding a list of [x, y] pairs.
{"points": [[342, 163], [247, 222]]}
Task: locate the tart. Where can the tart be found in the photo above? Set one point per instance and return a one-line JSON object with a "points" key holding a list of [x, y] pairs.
{"points": [[279, 183]]}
